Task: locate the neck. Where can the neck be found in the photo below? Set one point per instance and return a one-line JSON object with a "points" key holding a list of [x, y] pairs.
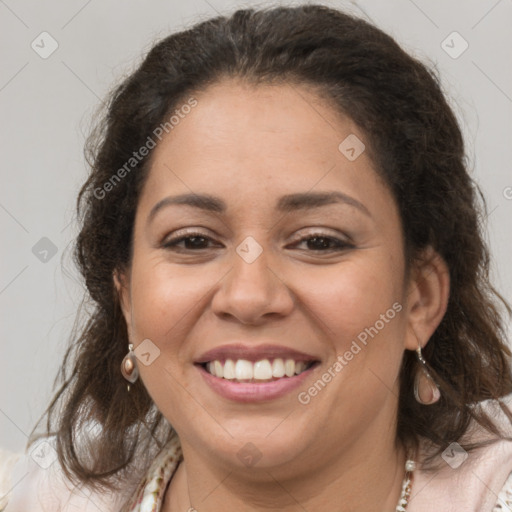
{"points": [[365, 477]]}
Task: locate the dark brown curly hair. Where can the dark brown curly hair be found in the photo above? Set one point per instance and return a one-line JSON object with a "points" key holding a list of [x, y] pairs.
{"points": [[417, 147]]}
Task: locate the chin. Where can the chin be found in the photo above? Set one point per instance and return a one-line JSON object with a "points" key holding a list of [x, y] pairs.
{"points": [[259, 444]]}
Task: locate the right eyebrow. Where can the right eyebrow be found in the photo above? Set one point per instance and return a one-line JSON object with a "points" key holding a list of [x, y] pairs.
{"points": [[201, 201]]}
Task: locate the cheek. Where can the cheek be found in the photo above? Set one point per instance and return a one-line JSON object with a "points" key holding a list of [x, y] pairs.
{"points": [[362, 310], [351, 296], [165, 298], [167, 302], [359, 307]]}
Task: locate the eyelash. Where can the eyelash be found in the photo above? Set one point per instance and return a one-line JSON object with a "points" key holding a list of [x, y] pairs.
{"points": [[340, 245]]}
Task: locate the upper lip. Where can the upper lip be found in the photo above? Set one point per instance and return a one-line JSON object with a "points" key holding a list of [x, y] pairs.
{"points": [[252, 353]]}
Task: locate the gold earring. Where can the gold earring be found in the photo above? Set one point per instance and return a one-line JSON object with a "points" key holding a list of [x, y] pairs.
{"points": [[129, 366], [426, 390]]}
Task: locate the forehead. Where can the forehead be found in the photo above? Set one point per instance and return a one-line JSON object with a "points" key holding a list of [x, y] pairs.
{"points": [[273, 118], [251, 143]]}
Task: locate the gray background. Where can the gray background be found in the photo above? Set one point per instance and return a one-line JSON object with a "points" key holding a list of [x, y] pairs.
{"points": [[46, 107]]}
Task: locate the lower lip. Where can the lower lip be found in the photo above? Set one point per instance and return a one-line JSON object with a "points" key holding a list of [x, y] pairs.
{"points": [[252, 391]]}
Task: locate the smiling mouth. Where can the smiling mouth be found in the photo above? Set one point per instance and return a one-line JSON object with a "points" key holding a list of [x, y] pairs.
{"points": [[264, 370]]}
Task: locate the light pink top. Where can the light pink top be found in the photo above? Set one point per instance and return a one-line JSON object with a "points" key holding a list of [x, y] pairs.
{"points": [[482, 482]]}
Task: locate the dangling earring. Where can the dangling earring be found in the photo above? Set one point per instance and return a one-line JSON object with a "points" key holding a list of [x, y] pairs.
{"points": [[129, 366], [426, 390]]}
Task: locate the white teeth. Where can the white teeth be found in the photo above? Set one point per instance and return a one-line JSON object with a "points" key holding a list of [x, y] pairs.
{"points": [[289, 367], [278, 368], [242, 369], [229, 369], [219, 371], [300, 366], [262, 370]]}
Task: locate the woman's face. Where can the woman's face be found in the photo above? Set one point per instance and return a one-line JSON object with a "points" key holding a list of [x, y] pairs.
{"points": [[296, 254]]}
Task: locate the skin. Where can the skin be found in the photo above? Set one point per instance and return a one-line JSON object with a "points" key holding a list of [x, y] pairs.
{"points": [[339, 451]]}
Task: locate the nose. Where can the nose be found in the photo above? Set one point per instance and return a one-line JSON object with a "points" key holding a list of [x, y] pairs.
{"points": [[252, 292]]}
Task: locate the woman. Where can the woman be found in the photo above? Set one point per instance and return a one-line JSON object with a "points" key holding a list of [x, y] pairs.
{"points": [[292, 308]]}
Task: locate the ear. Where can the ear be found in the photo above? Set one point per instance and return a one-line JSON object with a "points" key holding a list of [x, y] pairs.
{"points": [[122, 286], [427, 300]]}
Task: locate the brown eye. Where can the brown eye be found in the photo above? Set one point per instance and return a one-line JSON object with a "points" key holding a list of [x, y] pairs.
{"points": [[320, 242], [192, 241]]}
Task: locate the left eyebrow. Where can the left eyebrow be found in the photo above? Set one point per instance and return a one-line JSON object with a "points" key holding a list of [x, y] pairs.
{"points": [[310, 200]]}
